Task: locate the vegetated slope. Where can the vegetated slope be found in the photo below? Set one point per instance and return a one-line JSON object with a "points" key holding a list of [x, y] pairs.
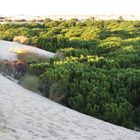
{"points": [[25, 115], [9, 49], [97, 71]]}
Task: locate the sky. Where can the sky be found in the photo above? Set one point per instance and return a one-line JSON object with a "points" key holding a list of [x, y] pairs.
{"points": [[69, 7]]}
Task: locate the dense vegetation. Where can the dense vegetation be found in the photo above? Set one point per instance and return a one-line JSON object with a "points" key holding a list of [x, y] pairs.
{"points": [[96, 68]]}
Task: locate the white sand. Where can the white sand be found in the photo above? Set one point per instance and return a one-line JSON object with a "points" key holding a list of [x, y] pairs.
{"points": [[7, 50], [24, 115]]}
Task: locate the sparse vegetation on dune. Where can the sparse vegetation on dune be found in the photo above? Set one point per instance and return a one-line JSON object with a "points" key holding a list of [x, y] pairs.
{"points": [[32, 57], [30, 82]]}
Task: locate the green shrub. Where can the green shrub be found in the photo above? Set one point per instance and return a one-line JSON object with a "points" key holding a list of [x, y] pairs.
{"points": [[30, 82], [58, 93], [137, 116]]}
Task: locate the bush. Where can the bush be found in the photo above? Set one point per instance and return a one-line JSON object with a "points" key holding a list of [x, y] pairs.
{"points": [[137, 118], [30, 82], [21, 39], [58, 93], [23, 54]]}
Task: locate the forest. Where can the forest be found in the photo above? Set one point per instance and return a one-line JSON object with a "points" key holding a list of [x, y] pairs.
{"points": [[96, 69]]}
